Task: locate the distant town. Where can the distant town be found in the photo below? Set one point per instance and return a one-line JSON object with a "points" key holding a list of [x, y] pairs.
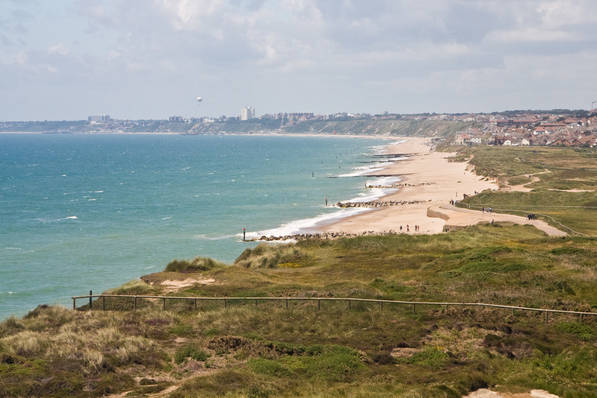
{"points": [[559, 127]]}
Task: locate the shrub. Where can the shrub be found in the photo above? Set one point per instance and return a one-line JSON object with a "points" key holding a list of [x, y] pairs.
{"points": [[24, 343], [333, 363], [198, 264], [190, 351], [136, 286], [585, 332], [269, 367], [11, 326], [432, 357], [266, 256]]}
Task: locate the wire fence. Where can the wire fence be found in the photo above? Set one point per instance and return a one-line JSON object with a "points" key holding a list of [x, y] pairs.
{"points": [[226, 301]]}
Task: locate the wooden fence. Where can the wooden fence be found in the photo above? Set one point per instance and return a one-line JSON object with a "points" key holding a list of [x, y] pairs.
{"points": [[348, 300]]}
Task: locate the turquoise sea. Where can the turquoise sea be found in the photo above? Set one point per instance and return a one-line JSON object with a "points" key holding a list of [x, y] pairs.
{"points": [[81, 212]]}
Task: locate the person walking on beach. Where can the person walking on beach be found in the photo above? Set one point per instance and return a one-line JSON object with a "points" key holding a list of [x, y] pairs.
{"points": [[407, 228]]}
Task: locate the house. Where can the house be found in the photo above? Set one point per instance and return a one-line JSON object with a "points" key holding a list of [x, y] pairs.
{"points": [[461, 139]]}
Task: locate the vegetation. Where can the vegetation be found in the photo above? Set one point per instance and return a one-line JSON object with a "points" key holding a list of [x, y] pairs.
{"points": [[264, 349], [561, 183]]}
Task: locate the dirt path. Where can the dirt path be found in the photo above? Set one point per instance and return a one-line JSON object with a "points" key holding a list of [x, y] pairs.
{"points": [[485, 393], [457, 216]]}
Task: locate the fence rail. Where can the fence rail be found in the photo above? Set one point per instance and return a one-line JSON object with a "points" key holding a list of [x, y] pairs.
{"points": [[348, 300]]}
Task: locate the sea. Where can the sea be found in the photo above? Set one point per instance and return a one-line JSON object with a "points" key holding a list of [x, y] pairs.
{"points": [[91, 212]]}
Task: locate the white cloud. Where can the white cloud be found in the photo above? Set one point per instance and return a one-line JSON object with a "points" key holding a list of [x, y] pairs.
{"points": [[530, 34], [332, 54], [58, 49]]}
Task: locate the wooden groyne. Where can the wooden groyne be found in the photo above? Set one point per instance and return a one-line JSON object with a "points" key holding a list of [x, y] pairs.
{"points": [[320, 235], [380, 203], [399, 185], [318, 300]]}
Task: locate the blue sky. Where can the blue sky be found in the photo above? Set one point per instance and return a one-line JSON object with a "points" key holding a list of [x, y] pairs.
{"points": [[66, 59]]}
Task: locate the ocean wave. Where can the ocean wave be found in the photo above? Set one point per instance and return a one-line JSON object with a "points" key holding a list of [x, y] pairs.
{"points": [[382, 149], [217, 237], [364, 170], [307, 225], [53, 220], [376, 193]]}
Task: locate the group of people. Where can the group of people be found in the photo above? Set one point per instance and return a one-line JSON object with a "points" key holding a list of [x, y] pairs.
{"points": [[486, 209], [416, 228]]}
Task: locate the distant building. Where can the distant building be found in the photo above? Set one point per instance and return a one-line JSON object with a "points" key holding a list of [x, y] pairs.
{"points": [[94, 119], [247, 113], [176, 119]]}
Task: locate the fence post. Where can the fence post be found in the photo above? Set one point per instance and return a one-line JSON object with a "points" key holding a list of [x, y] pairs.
{"points": [[164, 304], [414, 309], [318, 305], [195, 304], [349, 304], [546, 316], [74, 305], [135, 303], [225, 303], [286, 303], [381, 305], [90, 300], [103, 303]]}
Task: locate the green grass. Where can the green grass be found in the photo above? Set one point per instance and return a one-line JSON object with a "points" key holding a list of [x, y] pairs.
{"points": [[190, 351], [548, 172], [268, 350]]}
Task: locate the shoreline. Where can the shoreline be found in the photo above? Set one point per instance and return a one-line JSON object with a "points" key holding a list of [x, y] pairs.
{"points": [[380, 186], [417, 191], [432, 183], [256, 134]]}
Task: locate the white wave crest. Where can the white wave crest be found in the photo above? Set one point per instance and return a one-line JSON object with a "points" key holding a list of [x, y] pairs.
{"points": [[220, 237]]}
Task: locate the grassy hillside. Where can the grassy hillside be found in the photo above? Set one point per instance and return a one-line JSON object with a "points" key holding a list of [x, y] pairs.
{"points": [[266, 350], [380, 127], [397, 127], [562, 183]]}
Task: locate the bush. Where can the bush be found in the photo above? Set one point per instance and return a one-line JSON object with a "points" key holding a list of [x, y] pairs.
{"points": [[268, 367], [190, 351], [432, 357], [198, 264], [585, 332], [266, 256]]}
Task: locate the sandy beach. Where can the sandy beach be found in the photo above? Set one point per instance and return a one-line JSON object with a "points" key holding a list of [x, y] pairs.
{"points": [[432, 181]]}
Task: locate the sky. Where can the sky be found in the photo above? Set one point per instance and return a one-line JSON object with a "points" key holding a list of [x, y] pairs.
{"points": [[150, 59]]}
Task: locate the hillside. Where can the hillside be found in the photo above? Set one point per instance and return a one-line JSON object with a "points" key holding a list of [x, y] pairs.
{"points": [[399, 127], [559, 185], [263, 349]]}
